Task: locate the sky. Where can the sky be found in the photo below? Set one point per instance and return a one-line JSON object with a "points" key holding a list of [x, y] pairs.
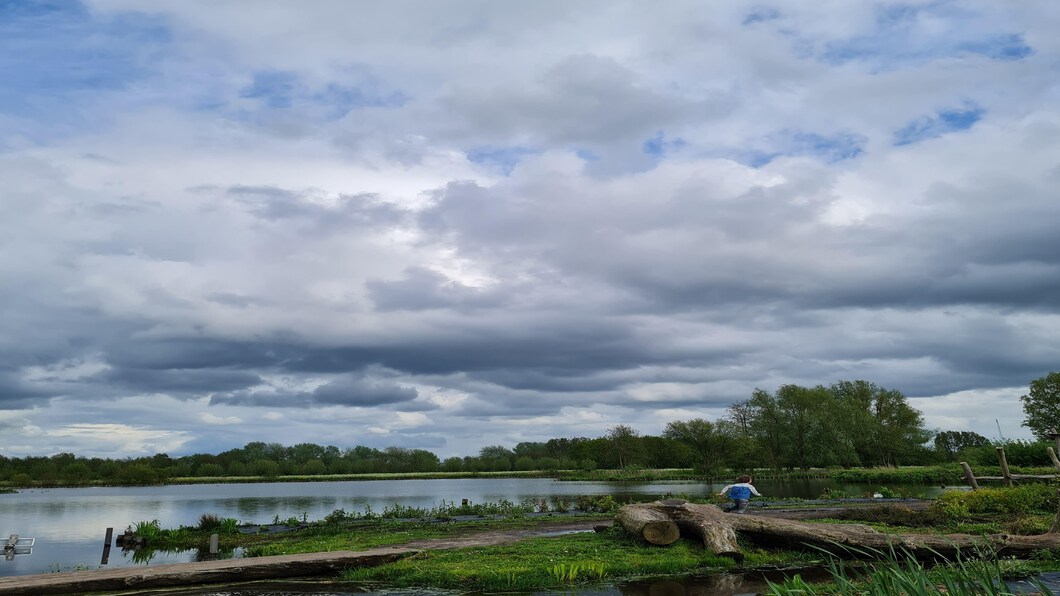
{"points": [[446, 225]]}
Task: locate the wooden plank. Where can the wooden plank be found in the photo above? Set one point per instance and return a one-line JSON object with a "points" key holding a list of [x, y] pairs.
{"points": [[199, 574]]}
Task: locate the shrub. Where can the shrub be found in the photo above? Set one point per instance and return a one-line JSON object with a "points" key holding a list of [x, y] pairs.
{"points": [[1019, 500], [892, 515], [209, 521], [1029, 525]]}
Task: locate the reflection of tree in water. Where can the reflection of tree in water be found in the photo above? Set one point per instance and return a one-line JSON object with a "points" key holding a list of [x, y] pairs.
{"points": [[204, 554], [145, 554]]}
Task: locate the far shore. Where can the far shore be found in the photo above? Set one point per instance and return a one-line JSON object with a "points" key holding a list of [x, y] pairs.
{"points": [[941, 474]]}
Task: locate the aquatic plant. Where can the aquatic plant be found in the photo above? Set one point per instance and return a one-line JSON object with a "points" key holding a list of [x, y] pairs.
{"points": [[149, 530], [584, 570], [209, 521]]}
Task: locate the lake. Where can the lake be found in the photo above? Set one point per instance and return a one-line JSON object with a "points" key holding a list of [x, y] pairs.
{"points": [[69, 524]]}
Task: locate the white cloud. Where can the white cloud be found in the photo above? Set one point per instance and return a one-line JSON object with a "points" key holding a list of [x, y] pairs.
{"points": [[547, 218]]}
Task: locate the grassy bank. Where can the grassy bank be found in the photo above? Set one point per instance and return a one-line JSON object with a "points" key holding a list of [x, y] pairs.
{"points": [[564, 560]]}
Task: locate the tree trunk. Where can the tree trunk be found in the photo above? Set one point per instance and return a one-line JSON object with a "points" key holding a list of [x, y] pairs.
{"points": [[706, 522], [652, 525]]}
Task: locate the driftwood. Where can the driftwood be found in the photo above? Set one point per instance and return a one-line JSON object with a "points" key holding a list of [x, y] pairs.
{"points": [[714, 526]]}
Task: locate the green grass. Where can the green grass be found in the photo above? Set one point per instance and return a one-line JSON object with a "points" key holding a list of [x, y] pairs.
{"points": [[899, 575], [553, 562]]}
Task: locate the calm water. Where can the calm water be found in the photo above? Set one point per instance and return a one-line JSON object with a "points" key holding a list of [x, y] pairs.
{"points": [[69, 524]]}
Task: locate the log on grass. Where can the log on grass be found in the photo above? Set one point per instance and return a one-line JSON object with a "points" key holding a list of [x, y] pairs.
{"points": [[650, 524], [845, 539]]}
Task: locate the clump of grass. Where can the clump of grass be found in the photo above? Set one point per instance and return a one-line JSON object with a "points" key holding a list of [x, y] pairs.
{"points": [[581, 571], [892, 515], [903, 574], [150, 530], [209, 521]]}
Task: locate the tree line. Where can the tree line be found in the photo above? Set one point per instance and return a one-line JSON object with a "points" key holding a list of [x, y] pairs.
{"points": [[847, 424]]}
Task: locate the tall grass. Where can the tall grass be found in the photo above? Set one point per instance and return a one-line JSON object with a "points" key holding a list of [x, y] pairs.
{"points": [[904, 575]]}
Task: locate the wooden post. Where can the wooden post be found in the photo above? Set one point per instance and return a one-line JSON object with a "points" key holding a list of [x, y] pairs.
{"points": [[1006, 477], [1056, 520], [213, 544], [969, 476], [106, 547], [1052, 456]]}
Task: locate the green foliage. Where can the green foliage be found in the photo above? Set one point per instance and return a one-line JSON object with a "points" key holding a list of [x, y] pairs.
{"points": [[209, 521], [581, 571], [1041, 405], [948, 444], [892, 515], [1017, 500], [1029, 525], [151, 530], [709, 441], [944, 475], [906, 576], [541, 563]]}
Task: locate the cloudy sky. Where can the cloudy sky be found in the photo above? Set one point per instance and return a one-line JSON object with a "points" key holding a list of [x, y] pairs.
{"points": [[445, 225]]}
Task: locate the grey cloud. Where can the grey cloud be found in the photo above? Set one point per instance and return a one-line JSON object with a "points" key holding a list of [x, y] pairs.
{"points": [[422, 289], [360, 210], [175, 381], [583, 99], [345, 390]]}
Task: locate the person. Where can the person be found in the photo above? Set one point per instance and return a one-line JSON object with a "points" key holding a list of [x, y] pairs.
{"points": [[740, 494]]}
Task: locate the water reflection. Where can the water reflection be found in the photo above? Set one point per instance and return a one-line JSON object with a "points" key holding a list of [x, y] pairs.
{"points": [[70, 524], [728, 584]]}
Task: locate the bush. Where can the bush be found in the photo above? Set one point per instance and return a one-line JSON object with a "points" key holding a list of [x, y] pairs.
{"points": [[1029, 525], [892, 515], [1019, 500], [209, 521]]}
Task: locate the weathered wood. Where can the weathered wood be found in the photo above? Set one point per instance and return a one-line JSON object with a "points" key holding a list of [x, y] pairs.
{"points": [[1056, 519], [843, 539], [1021, 477], [1003, 462], [201, 573], [652, 525], [969, 476], [1052, 456]]}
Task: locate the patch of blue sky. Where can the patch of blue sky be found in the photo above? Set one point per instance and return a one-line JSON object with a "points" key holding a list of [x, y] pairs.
{"points": [[897, 40], [790, 143], [281, 90], [934, 126], [1002, 47], [500, 159], [275, 89], [340, 100], [760, 15], [658, 145], [838, 147], [55, 55], [586, 155]]}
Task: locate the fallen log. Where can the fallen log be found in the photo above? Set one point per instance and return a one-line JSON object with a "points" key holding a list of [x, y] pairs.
{"points": [[649, 524], [706, 521]]}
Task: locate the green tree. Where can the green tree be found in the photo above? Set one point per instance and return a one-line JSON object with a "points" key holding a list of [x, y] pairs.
{"points": [[496, 458], [624, 441], [1041, 405], [951, 442], [705, 439]]}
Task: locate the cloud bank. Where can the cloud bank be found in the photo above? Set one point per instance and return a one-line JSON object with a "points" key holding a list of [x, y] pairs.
{"points": [[449, 226]]}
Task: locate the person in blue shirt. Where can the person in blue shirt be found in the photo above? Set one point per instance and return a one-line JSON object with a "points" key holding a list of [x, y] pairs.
{"points": [[740, 493]]}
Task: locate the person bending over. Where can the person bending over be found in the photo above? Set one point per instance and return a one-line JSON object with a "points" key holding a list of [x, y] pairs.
{"points": [[740, 494]]}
